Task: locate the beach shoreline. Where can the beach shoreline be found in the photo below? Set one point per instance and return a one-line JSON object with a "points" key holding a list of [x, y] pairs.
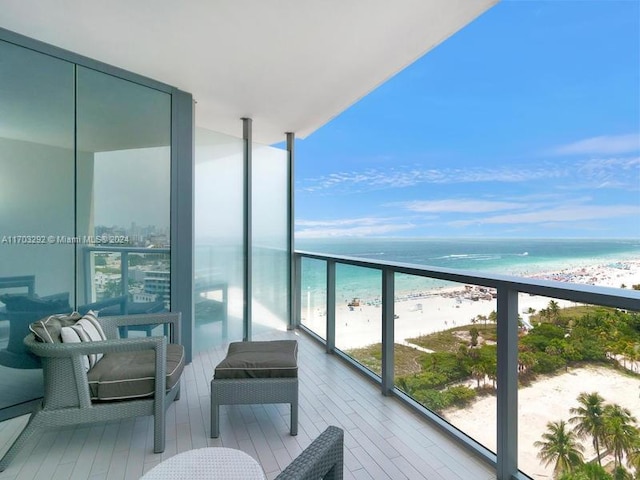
{"points": [[422, 312]]}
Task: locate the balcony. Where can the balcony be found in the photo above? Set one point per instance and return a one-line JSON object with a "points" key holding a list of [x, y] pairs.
{"points": [[388, 435], [383, 439]]}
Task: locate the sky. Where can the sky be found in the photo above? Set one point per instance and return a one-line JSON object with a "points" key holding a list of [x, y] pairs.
{"points": [[526, 123]]}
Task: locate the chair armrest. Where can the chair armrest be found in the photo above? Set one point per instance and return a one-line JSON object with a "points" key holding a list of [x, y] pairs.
{"points": [[111, 324], [67, 350], [324, 457]]}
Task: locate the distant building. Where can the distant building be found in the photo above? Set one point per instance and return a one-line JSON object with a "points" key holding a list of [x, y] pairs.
{"points": [[158, 283], [144, 297]]}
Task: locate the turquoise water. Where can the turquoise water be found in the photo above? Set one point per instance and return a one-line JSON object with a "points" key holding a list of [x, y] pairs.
{"points": [[509, 256]]}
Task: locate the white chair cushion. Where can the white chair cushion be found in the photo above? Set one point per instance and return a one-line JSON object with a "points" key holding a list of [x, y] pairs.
{"points": [[87, 329]]}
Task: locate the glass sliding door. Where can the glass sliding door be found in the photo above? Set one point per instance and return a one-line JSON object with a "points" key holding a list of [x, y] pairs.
{"points": [[219, 239], [85, 165], [123, 194], [36, 209]]}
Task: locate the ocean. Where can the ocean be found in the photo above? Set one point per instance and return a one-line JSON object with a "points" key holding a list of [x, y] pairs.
{"points": [[509, 256]]}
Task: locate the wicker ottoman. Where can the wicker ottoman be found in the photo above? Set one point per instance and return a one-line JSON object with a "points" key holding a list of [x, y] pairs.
{"points": [[255, 373]]}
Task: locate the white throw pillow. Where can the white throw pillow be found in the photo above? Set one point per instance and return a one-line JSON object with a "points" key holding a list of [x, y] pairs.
{"points": [[87, 329]]}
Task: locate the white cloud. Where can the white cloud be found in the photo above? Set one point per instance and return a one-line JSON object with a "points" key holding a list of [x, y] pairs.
{"points": [[457, 206], [592, 173], [374, 179], [611, 172], [602, 145], [351, 227], [565, 214], [340, 222]]}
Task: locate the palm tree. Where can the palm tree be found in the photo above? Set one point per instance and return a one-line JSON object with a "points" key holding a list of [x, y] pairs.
{"points": [[587, 471], [620, 432], [560, 445], [526, 360], [554, 311], [620, 473], [544, 314], [478, 372], [588, 419], [633, 457]]}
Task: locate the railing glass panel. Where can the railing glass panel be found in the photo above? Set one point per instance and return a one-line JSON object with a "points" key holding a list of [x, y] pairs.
{"points": [[579, 380], [313, 301], [358, 314], [445, 351]]}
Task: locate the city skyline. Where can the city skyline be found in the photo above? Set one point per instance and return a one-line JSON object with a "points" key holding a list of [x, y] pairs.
{"points": [[526, 123]]}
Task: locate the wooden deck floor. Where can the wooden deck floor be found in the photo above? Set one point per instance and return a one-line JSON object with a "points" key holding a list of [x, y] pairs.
{"points": [[383, 439]]}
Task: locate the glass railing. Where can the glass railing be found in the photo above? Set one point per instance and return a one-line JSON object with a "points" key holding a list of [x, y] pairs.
{"points": [[510, 366], [357, 313], [313, 301]]}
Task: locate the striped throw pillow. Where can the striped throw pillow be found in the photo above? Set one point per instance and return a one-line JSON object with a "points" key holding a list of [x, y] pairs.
{"points": [[87, 329]]}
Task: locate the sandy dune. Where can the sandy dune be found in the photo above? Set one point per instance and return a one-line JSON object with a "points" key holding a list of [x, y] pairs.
{"points": [[548, 399]]}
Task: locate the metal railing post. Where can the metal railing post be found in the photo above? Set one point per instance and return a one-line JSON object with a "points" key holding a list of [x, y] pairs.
{"points": [[248, 224], [124, 279], [507, 375], [88, 276], [388, 326], [291, 271], [331, 306], [297, 290]]}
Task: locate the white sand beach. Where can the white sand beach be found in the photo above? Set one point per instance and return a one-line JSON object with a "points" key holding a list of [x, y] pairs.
{"points": [[548, 399], [439, 310]]}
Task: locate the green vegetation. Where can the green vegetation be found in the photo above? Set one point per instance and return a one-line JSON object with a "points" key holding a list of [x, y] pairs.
{"points": [[100, 260], [434, 378], [450, 340], [112, 288], [108, 270], [406, 359], [462, 362], [583, 334]]}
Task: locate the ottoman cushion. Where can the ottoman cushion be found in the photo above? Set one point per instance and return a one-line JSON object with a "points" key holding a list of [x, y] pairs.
{"points": [[271, 359]]}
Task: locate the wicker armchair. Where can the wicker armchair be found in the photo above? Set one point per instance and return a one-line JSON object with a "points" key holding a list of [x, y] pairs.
{"points": [[324, 458], [68, 398]]}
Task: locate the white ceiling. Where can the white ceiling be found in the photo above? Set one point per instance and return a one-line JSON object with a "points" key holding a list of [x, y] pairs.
{"points": [[291, 65]]}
